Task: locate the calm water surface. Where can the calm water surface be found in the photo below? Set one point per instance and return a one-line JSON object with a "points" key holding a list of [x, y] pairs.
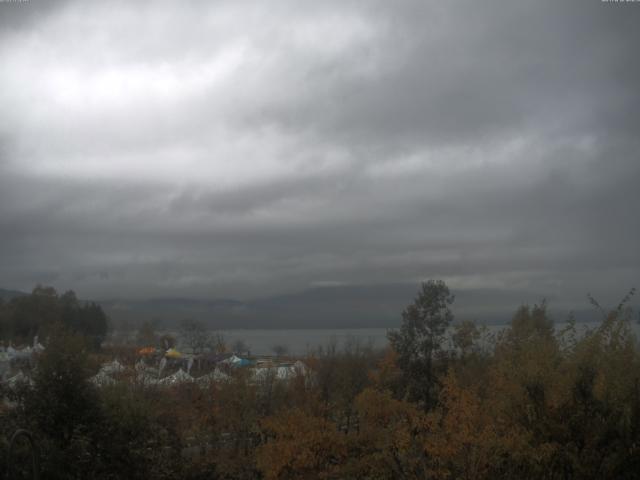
{"points": [[300, 342]]}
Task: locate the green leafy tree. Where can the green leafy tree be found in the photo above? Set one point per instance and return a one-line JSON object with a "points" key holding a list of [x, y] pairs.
{"points": [[39, 313], [420, 338], [88, 319], [32, 315], [465, 337], [63, 408]]}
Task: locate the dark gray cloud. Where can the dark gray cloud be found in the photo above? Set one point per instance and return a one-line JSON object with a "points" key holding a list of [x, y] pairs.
{"points": [[239, 149], [20, 15]]}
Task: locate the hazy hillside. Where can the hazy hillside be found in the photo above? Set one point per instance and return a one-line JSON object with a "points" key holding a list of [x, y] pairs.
{"points": [[329, 307], [9, 294], [324, 307]]}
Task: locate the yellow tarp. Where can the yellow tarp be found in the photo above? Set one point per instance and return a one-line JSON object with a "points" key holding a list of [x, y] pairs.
{"points": [[173, 353]]}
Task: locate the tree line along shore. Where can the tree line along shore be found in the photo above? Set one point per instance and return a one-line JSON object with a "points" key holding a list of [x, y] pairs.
{"points": [[540, 402]]}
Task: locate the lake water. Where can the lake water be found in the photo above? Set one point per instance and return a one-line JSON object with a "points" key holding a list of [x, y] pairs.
{"points": [[299, 342], [303, 341]]}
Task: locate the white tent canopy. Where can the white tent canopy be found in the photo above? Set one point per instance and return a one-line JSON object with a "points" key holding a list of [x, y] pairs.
{"points": [[213, 377], [112, 367], [179, 377]]}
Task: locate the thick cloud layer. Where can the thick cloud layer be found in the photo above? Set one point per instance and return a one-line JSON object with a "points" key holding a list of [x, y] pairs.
{"points": [[214, 149]]}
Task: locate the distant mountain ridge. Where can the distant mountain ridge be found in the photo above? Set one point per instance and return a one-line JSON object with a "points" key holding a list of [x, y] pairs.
{"points": [[9, 294], [356, 306], [328, 307]]}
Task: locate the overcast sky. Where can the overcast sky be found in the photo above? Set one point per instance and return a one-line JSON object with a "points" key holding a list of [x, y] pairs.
{"points": [[243, 149]]}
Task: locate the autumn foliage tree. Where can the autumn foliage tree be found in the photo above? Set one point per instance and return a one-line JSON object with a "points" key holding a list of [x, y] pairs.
{"points": [[537, 402]]}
